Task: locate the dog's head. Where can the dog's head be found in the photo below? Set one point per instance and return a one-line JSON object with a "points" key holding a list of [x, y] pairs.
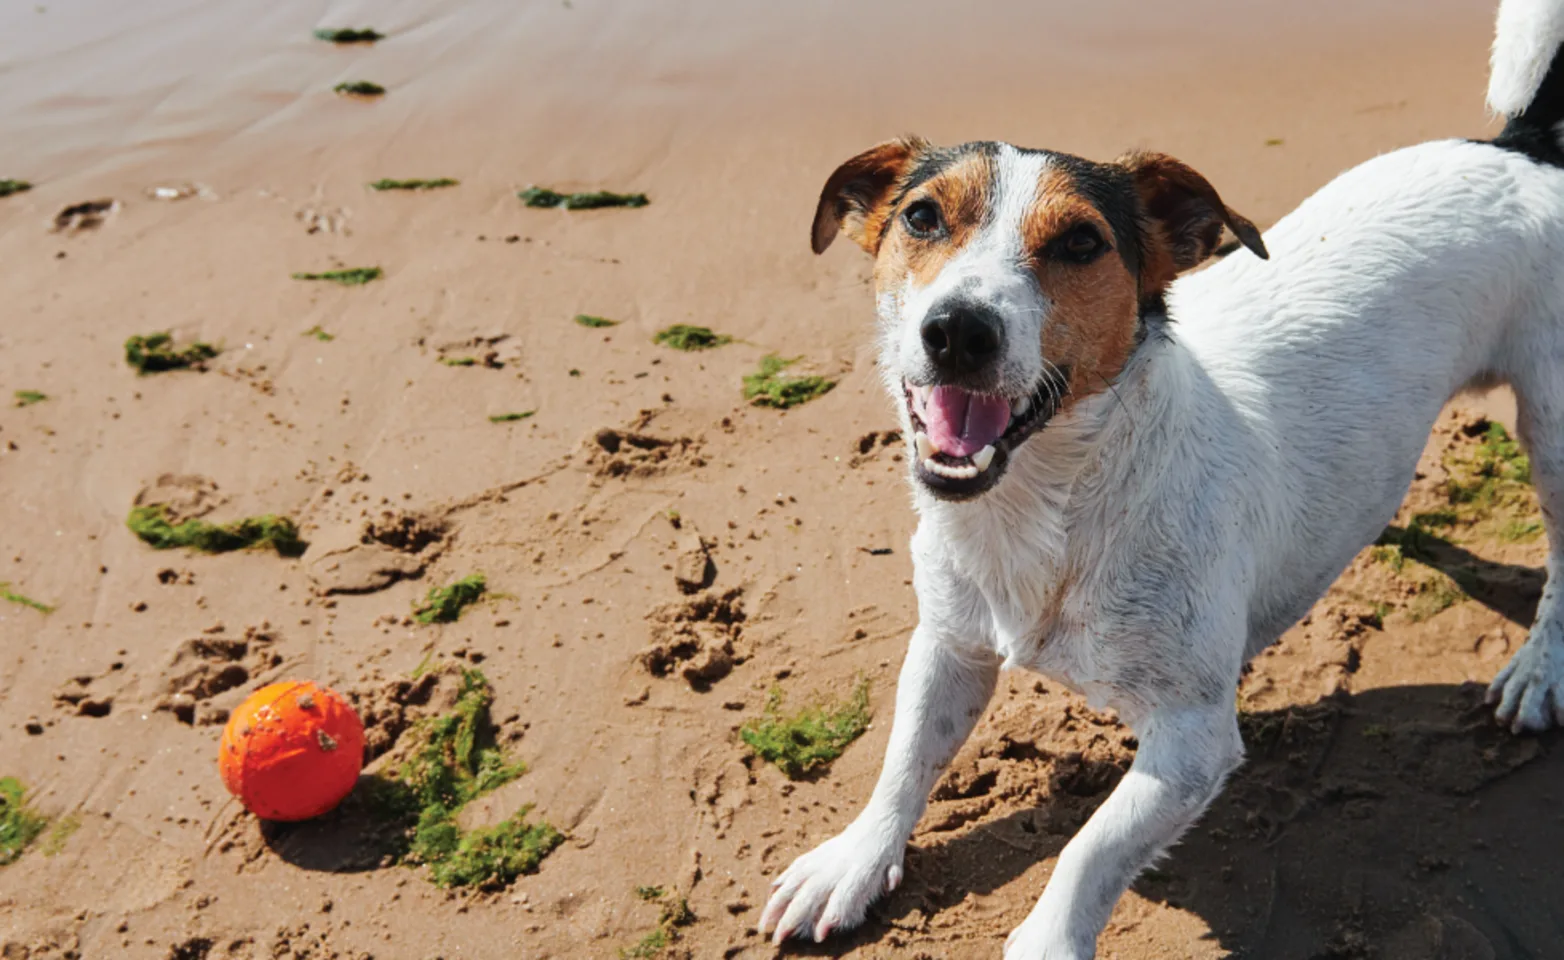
{"points": [[1012, 284]]}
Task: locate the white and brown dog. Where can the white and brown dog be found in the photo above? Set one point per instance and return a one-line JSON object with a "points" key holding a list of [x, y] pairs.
{"points": [[1133, 483]]}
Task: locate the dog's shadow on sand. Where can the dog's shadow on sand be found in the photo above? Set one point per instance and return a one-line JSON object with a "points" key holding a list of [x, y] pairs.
{"points": [[1399, 823], [1510, 590]]}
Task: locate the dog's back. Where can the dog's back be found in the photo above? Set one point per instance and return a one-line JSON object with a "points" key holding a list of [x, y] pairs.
{"points": [[1418, 274]]}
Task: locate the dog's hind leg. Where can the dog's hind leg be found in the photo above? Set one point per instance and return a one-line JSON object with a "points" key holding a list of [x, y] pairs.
{"points": [[1529, 691]]}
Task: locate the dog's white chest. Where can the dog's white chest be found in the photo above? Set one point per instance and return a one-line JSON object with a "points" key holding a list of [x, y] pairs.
{"points": [[1041, 639]]}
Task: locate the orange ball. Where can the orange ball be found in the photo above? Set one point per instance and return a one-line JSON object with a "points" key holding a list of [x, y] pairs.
{"points": [[292, 751]]}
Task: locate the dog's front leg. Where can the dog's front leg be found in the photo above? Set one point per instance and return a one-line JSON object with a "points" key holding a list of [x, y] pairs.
{"points": [[940, 696], [1184, 757]]}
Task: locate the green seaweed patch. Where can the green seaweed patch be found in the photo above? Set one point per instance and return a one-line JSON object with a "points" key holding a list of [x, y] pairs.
{"points": [[352, 277], [1488, 489], [319, 333], [770, 387], [489, 857], [1516, 530], [152, 524], [1483, 480], [26, 398], [360, 88], [445, 604], [676, 913], [156, 353], [8, 187], [592, 200], [1435, 595], [1414, 542], [682, 336], [348, 35], [459, 361], [385, 183], [810, 738], [54, 843], [510, 417], [647, 947], [11, 596], [20, 824], [453, 761], [587, 320]]}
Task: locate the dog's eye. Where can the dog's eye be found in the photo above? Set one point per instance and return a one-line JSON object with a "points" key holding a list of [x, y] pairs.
{"points": [[1080, 244], [922, 219]]}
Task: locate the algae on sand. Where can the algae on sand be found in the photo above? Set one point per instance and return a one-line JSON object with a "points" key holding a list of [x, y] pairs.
{"points": [[385, 183], [151, 523], [59, 834], [510, 417], [6, 593], [320, 334], [593, 200], [445, 604], [155, 353], [769, 387], [587, 320], [348, 35], [682, 336], [676, 913], [359, 88], [20, 825], [490, 856], [26, 398], [8, 187], [452, 762], [800, 741], [352, 277]]}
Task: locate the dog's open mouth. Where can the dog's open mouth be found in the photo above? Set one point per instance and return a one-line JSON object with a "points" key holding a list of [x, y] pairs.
{"points": [[962, 441]]}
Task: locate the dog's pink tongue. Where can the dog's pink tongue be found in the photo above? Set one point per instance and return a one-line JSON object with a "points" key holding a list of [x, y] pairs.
{"points": [[962, 423]]}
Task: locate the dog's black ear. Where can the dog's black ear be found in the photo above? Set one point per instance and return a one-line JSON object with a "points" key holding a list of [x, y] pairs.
{"points": [[1187, 209], [855, 198]]}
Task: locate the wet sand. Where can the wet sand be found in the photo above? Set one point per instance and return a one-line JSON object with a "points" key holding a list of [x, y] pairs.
{"points": [[730, 118]]}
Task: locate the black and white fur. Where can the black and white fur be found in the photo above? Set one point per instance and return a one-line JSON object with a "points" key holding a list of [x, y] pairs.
{"points": [[1149, 541]]}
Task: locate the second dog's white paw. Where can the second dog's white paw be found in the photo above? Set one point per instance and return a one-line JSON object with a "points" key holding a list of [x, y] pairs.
{"points": [[1529, 691], [830, 887]]}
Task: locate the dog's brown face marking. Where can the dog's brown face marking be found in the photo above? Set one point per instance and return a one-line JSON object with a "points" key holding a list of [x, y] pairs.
{"points": [[1016, 280], [955, 200], [1092, 291]]}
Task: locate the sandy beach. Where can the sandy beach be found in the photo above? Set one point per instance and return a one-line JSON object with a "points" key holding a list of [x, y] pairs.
{"points": [[1381, 813]]}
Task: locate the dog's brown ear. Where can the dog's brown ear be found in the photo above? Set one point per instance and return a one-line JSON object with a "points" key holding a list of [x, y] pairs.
{"points": [[854, 200], [1188, 212]]}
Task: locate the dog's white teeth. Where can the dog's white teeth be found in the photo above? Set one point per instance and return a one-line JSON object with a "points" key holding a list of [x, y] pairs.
{"points": [[963, 472], [1020, 407], [983, 458], [926, 449]]}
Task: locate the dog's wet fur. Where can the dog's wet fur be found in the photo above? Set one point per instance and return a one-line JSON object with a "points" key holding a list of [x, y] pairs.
{"points": [[1134, 482]]}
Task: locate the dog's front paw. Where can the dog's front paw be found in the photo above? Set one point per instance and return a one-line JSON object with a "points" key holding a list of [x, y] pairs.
{"points": [[830, 887], [1039, 939], [1529, 691]]}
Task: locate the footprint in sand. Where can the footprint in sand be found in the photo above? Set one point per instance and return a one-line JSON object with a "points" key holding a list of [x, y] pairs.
{"points": [[696, 638], [623, 453]]}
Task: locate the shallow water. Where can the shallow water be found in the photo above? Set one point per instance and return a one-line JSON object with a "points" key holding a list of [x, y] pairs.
{"points": [[93, 86]]}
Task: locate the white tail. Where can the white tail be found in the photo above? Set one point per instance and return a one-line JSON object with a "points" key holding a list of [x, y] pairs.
{"points": [[1528, 34]]}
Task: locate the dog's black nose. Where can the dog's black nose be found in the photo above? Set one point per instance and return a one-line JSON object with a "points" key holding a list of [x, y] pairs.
{"points": [[962, 337]]}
